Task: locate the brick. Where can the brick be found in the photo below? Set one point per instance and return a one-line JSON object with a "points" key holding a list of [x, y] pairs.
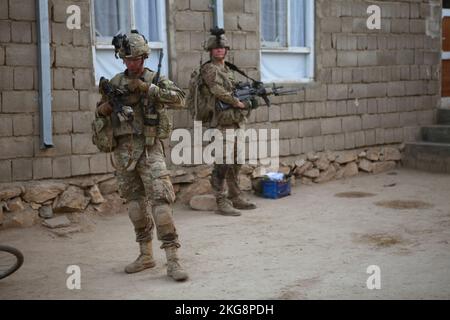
{"points": [[98, 163], [5, 171], [2, 56], [417, 26], [408, 119], [5, 35], [350, 141], [289, 129], [62, 145], [386, 58], [24, 55], [22, 10], [351, 124], [298, 111], [329, 142], [379, 136], [62, 122], [396, 89], [22, 169], [331, 24], [328, 58], [23, 125], [376, 90], [370, 137], [274, 113], [80, 165], [63, 79], [347, 58], [318, 144], [331, 109], [61, 35], [189, 21], [23, 78], [286, 112], [18, 102], [367, 58], [360, 139], [82, 37], [248, 58], [82, 144], [308, 145], [316, 93], [339, 141], [4, 9], [370, 121], [233, 6], [73, 57], [61, 167], [331, 125], [82, 122], [284, 148], [66, 100], [15, 147], [6, 78], [6, 127], [341, 108], [337, 91], [296, 146], [310, 128], [21, 32], [251, 41], [42, 168], [83, 79]]}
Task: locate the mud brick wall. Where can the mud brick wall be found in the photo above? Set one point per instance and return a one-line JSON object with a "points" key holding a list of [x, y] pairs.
{"points": [[71, 58]]}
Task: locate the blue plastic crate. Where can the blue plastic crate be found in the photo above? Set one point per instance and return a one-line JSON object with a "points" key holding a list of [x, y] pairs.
{"points": [[276, 189]]}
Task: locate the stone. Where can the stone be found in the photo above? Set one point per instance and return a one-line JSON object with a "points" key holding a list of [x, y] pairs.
{"points": [[311, 156], [96, 195], [307, 181], [365, 165], [339, 174], [322, 164], [259, 172], [177, 173], [391, 154], [326, 175], [46, 212], [384, 166], [206, 202], [183, 179], [21, 219], [108, 187], [35, 206], [312, 173], [11, 192], [2, 216], [82, 182], [58, 222], [351, 170], [301, 170], [245, 183], [300, 163], [71, 200], [15, 205], [373, 154], [363, 154], [346, 157], [200, 187], [41, 192], [65, 232], [331, 156], [285, 169], [176, 188], [247, 169], [204, 171]]}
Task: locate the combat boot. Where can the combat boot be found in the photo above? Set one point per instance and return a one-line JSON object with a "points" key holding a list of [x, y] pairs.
{"points": [[174, 269], [145, 259], [242, 204], [225, 207]]}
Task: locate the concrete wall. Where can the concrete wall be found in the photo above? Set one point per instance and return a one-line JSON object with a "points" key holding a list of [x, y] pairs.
{"points": [[73, 154], [372, 87]]}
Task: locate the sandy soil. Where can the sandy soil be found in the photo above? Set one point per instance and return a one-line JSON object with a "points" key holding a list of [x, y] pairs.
{"points": [[311, 245]]}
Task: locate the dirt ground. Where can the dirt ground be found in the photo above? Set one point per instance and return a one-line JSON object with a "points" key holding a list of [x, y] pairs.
{"points": [[311, 245]]}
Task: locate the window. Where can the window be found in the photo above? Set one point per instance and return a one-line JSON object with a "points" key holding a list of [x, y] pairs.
{"points": [[112, 17], [287, 40]]}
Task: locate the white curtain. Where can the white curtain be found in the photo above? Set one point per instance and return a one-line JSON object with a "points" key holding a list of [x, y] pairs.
{"points": [[147, 19], [273, 22], [297, 23], [111, 17]]}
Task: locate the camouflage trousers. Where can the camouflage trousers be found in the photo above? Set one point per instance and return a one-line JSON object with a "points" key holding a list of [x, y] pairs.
{"points": [[146, 186], [227, 172]]}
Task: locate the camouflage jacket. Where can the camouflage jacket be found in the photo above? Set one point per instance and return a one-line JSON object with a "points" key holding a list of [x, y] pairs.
{"points": [[218, 82], [168, 95]]}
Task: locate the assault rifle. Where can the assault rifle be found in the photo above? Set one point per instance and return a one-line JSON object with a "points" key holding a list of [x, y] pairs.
{"points": [[115, 97], [248, 91]]}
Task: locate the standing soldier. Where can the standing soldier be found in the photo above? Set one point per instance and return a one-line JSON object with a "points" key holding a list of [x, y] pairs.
{"points": [[142, 175], [217, 84]]}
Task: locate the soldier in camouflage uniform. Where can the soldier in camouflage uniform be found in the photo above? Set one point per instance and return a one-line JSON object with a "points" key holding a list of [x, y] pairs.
{"points": [[218, 82], [139, 156]]}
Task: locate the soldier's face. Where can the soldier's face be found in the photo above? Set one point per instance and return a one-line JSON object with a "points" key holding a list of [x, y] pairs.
{"points": [[219, 53], [135, 65]]}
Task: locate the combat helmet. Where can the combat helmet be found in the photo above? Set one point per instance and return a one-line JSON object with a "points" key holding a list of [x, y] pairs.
{"points": [[132, 45], [217, 40]]}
